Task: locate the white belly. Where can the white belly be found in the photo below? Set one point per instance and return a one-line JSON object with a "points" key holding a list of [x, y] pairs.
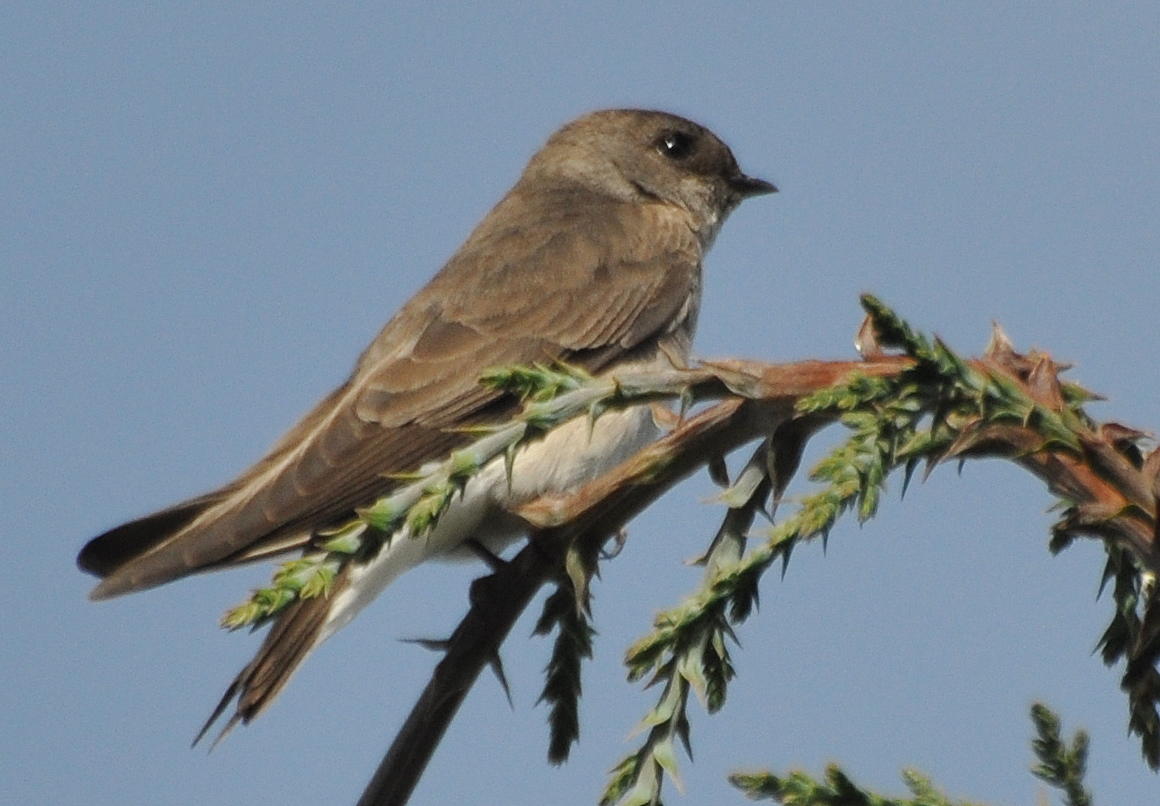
{"points": [[567, 457]]}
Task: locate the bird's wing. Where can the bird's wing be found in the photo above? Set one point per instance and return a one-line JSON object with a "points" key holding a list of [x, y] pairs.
{"points": [[502, 300]]}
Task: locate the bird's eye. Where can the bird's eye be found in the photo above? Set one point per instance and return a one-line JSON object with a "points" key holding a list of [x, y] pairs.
{"points": [[675, 145]]}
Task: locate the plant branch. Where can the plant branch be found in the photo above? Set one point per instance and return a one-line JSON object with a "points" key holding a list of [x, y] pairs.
{"points": [[925, 405], [591, 514]]}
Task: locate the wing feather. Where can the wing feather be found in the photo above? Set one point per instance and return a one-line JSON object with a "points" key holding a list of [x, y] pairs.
{"points": [[590, 292]]}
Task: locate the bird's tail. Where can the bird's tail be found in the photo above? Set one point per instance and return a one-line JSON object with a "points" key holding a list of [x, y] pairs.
{"points": [[108, 553], [297, 631]]}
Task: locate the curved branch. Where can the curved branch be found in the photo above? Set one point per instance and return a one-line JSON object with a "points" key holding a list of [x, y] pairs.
{"points": [[1111, 489], [592, 513]]}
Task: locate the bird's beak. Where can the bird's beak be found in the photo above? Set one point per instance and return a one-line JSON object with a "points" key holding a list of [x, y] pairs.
{"points": [[748, 186]]}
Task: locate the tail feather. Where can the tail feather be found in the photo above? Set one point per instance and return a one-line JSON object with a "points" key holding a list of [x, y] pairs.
{"points": [[291, 638], [106, 554], [176, 542]]}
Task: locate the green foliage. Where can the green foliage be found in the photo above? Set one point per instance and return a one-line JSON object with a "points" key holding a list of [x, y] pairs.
{"points": [[836, 789], [573, 645], [1059, 765], [939, 407], [698, 660], [536, 382], [1132, 636]]}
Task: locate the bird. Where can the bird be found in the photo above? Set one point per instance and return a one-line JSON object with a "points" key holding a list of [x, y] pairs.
{"points": [[593, 259]]}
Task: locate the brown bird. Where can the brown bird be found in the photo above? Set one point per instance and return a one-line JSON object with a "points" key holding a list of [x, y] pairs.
{"points": [[593, 258]]}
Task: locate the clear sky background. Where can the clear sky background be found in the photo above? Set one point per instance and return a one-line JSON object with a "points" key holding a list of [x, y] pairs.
{"points": [[208, 209]]}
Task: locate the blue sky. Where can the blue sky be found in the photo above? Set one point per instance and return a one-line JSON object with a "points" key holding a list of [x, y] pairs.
{"points": [[208, 210]]}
